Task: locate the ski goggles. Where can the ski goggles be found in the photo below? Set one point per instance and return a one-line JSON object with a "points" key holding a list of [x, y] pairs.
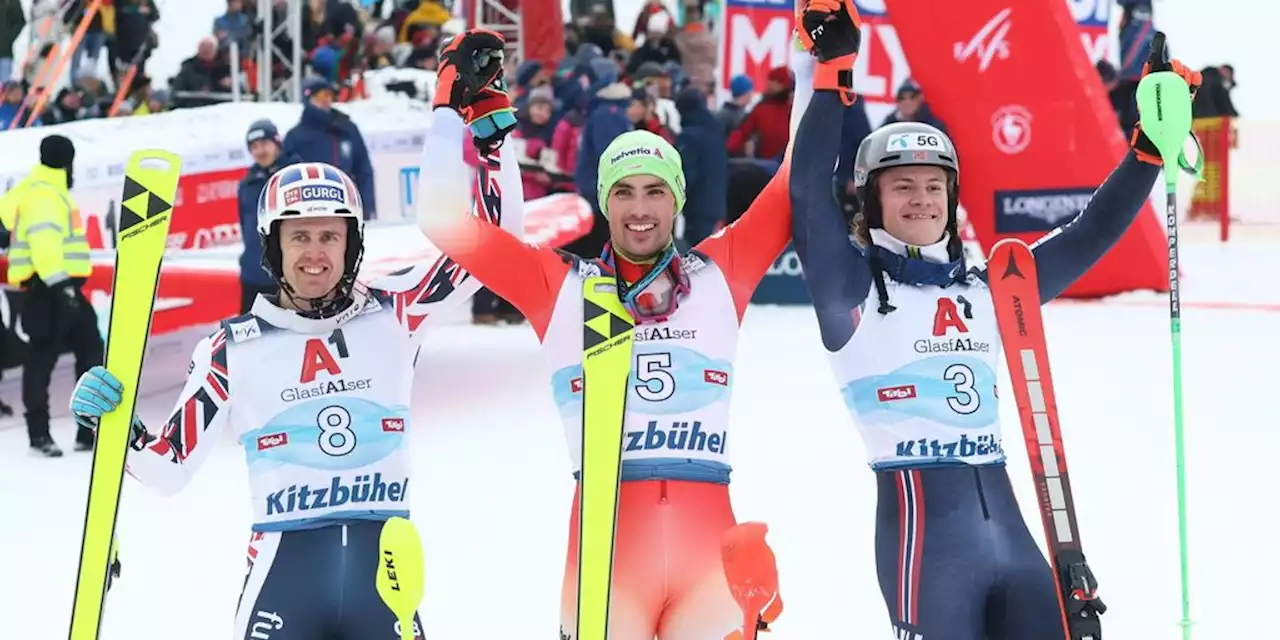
{"points": [[656, 296]]}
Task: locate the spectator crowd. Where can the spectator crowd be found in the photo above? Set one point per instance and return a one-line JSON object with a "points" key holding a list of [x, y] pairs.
{"points": [[657, 75]]}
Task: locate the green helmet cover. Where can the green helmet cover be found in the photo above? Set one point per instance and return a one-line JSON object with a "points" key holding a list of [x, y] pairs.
{"points": [[637, 153]]}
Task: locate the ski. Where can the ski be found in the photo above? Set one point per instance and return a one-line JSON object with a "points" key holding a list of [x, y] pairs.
{"points": [[1011, 273], [150, 186], [606, 367]]}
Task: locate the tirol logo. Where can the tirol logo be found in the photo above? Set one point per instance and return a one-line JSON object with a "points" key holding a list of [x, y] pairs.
{"points": [[988, 43], [360, 490], [1039, 210], [272, 441], [1011, 129], [394, 425], [711, 376], [900, 392], [313, 192], [575, 385], [631, 153]]}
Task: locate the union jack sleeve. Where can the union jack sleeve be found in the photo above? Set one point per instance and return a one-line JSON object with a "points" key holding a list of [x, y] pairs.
{"points": [[430, 288], [167, 460]]}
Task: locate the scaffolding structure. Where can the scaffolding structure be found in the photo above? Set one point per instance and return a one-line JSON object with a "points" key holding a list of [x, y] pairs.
{"points": [[502, 16], [268, 53]]}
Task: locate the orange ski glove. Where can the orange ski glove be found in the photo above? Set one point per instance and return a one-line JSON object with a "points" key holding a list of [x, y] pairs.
{"points": [[831, 31]]}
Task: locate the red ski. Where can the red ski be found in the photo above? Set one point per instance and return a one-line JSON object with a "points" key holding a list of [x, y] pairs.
{"points": [[1011, 273]]}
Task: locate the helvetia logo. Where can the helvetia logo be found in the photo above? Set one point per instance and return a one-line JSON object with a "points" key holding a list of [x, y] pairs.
{"points": [[272, 441], [362, 489], [632, 153]]}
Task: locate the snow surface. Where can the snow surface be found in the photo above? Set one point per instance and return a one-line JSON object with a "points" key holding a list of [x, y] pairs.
{"points": [[493, 485]]}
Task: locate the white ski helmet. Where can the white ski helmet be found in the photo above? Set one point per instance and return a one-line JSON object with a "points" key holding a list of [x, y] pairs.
{"points": [[310, 190]]}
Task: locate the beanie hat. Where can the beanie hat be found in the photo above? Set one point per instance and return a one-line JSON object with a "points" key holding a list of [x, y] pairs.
{"points": [[639, 153], [262, 129], [741, 86], [57, 152]]}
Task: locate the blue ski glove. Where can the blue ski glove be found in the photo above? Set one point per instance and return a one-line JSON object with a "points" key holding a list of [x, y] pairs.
{"points": [[97, 392]]}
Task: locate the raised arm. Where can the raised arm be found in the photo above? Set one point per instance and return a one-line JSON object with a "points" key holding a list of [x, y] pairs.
{"points": [[1066, 253], [835, 271], [431, 289], [526, 276], [167, 461], [746, 249]]}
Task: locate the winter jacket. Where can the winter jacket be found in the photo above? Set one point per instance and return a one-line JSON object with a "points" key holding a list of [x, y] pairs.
{"points": [[770, 121], [330, 136], [706, 166], [698, 50], [12, 20], [236, 26], [925, 115], [197, 75], [251, 186], [9, 111], [133, 27], [606, 120], [566, 140]]}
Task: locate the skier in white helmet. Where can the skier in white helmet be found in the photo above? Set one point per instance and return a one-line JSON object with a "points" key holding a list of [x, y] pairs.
{"points": [[315, 383]]}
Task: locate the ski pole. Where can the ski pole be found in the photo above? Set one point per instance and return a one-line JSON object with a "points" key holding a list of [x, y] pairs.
{"points": [[1164, 105]]}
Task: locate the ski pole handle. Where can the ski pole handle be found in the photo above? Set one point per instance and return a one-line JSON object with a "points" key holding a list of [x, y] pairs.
{"points": [[1158, 58]]}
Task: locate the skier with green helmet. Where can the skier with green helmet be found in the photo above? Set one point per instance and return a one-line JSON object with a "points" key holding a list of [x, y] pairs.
{"points": [[674, 512]]}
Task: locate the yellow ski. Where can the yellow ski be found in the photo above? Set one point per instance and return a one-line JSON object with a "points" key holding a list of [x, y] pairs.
{"points": [[606, 366], [150, 185], [400, 573]]}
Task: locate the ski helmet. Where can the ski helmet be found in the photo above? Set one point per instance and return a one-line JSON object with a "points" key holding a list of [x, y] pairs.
{"points": [[638, 153], [311, 190], [904, 144]]}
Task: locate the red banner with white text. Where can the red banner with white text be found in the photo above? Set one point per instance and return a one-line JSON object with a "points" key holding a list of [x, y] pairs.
{"points": [[1034, 131]]}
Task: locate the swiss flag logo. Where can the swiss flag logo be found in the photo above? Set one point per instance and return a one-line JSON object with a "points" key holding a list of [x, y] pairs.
{"points": [[395, 425]]}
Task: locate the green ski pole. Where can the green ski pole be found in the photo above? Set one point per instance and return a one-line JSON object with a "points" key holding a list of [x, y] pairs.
{"points": [[1164, 103]]}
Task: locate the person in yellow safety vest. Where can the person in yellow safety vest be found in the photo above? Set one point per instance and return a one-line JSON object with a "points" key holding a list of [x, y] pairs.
{"points": [[49, 261]]}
